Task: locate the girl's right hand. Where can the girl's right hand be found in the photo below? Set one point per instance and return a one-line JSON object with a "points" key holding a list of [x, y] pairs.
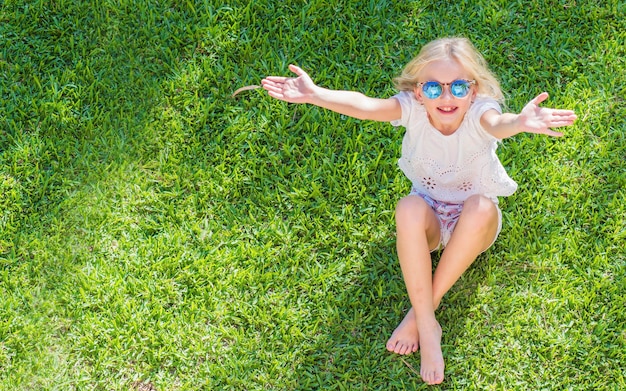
{"points": [[290, 89]]}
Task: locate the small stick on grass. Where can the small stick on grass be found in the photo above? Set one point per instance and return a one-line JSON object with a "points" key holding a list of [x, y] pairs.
{"points": [[246, 88], [410, 366]]}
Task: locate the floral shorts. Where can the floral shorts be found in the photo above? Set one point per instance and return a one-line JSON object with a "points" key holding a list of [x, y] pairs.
{"points": [[448, 215]]}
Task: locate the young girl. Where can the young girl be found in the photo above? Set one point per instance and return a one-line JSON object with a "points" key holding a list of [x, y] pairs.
{"points": [[449, 104]]}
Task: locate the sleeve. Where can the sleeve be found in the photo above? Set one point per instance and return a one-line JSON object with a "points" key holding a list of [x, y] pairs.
{"points": [[479, 107], [406, 102]]}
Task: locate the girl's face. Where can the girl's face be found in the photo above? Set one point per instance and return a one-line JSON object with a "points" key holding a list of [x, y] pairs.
{"points": [[445, 112]]}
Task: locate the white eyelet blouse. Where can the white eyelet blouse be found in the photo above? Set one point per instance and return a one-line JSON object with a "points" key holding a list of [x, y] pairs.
{"points": [[451, 168]]}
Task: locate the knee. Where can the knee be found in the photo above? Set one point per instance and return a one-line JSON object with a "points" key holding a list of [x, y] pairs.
{"points": [[411, 210], [482, 209]]}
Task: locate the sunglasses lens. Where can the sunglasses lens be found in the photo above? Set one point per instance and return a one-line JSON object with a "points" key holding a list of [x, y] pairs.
{"points": [[459, 88], [432, 89]]}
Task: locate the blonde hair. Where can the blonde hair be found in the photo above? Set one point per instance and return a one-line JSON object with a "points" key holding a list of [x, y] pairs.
{"points": [[459, 49]]}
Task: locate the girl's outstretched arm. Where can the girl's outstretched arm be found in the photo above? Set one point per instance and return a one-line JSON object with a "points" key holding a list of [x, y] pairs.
{"points": [[532, 119], [302, 89]]}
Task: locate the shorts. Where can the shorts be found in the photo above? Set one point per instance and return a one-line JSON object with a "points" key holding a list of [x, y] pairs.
{"points": [[448, 215]]}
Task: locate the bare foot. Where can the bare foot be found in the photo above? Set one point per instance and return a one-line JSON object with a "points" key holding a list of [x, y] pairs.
{"points": [[432, 365], [405, 339]]}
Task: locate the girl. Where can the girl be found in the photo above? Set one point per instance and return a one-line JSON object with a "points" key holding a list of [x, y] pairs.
{"points": [[449, 104]]}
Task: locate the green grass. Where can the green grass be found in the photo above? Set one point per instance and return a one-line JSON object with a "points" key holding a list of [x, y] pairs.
{"points": [[157, 234]]}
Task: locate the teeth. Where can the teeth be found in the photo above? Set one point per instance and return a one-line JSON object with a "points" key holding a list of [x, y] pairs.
{"points": [[447, 109]]}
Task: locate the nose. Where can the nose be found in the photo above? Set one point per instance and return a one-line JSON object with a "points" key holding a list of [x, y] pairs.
{"points": [[446, 93]]}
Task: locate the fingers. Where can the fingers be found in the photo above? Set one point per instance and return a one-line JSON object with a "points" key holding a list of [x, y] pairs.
{"points": [[276, 84], [539, 98], [281, 79], [271, 88], [557, 123], [560, 118], [560, 115], [564, 113], [552, 133], [549, 118], [289, 89], [276, 79], [296, 69]]}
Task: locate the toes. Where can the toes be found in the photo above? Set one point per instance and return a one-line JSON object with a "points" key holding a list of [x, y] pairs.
{"points": [[402, 349], [432, 377], [437, 378], [428, 378], [410, 348]]}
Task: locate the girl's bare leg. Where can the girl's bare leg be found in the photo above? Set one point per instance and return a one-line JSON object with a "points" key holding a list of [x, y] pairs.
{"points": [[474, 233], [418, 232]]}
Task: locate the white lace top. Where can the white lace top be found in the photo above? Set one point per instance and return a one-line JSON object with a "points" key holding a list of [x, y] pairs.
{"points": [[451, 168]]}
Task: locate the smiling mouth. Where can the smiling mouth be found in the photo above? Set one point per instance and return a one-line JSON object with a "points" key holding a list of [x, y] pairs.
{"points": [[447, 110]]}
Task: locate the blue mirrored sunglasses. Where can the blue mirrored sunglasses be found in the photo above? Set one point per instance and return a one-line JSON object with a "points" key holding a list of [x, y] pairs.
{"points": [[459, 88]]}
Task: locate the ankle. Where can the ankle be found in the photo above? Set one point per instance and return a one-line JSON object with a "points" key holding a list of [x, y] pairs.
{"points": [[429, 326]]}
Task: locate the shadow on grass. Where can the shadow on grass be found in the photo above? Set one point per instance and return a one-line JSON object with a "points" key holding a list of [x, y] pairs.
{"points": [[80, 86]]}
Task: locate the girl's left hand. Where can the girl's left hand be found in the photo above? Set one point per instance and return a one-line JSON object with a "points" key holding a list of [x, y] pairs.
{"points": [[535, 119]]}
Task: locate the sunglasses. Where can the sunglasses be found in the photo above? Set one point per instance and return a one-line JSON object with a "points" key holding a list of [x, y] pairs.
{"points": [[459, 88]]}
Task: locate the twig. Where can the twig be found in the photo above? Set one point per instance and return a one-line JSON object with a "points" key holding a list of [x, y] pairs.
{"points": [[246, 88], [410, 366]]}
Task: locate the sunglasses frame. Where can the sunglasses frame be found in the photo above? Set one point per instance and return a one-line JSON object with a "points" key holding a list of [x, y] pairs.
{"points": [[469, 83]]}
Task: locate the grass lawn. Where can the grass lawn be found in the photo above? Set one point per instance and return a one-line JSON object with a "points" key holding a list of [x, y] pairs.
{"points": [[157, 234]]}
